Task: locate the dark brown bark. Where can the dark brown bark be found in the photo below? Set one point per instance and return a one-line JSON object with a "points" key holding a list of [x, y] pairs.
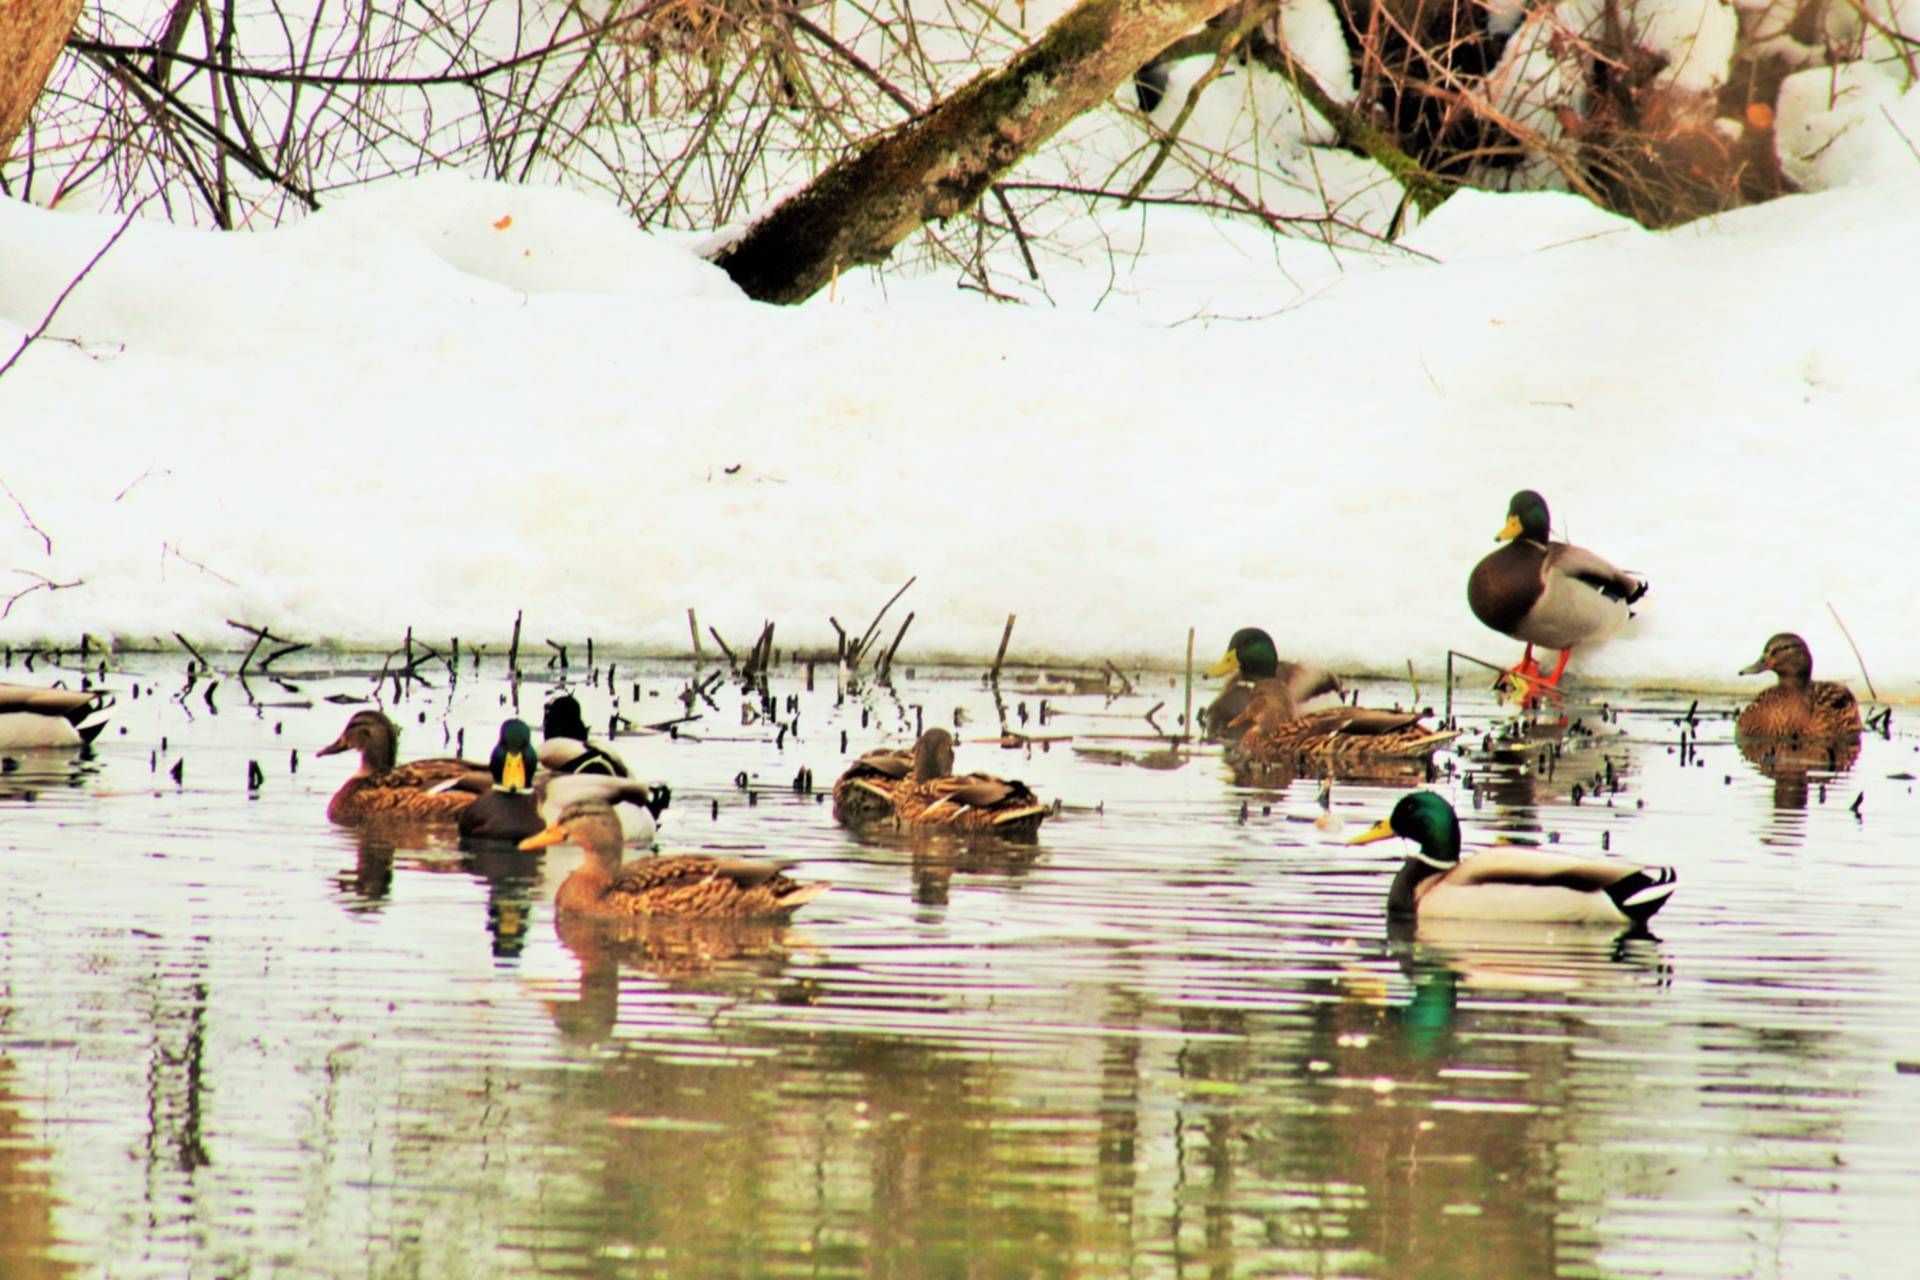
{"points": [[939, 164], [31, 35]]}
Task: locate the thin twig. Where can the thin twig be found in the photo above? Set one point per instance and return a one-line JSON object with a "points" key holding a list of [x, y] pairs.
{"points": [[27, 518], [73, 284], [1856, 651], [44, 584]]}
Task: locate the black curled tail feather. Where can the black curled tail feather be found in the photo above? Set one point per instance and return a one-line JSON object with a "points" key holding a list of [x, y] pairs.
{"points": [[1642, 893]]}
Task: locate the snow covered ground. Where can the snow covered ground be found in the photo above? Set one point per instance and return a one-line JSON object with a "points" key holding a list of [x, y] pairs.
{"points": [[437, 402]]}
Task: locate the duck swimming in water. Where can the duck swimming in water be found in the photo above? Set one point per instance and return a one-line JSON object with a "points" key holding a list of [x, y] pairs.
{"points": [[1798, 706], [383, 788], [679, 885], [920, 789], [1508, 882], [32, 716]]}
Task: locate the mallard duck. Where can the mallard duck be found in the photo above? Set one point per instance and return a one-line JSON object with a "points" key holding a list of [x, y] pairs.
{"points": [[927, 794], [1271, 732], [1798, 706], [507, 810], [419, 791], [637, 804], [1547, 593], [565, 746], [1252, 662], [31, 716], [680, 885], [1508, 882]]}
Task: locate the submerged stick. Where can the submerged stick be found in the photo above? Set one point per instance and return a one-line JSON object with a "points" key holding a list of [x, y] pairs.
{"points": [[188, 646], [859, 651], [1856, 651], [1186, 717], [693, 627], [886, 660], [999, 657]]}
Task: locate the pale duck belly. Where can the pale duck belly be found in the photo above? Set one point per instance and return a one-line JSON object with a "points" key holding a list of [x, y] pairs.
{"points": [[27, 730], [1538, 904], [1568, 613]]}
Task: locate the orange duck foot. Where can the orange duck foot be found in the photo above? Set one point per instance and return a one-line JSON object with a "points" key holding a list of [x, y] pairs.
{"points": [[1527, 682]]}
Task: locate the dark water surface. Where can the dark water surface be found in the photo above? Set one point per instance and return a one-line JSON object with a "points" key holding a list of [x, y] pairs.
{"points": [[1164, 1041]]}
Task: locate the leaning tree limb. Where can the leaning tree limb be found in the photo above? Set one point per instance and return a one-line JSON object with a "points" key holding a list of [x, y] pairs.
{"points": [[939, 164]]}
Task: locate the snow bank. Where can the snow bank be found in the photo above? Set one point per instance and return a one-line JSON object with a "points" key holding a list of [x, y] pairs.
{"points": [[447, 401]]}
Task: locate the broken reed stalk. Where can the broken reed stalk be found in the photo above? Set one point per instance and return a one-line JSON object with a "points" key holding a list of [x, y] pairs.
{"points": [[886, 661], [1126, 685], [859, 651], [187, 644], [1186, 722], [1856, 651], [693, 626], [731, 660], [1414, 681], [513, 649], [1006, 634]]}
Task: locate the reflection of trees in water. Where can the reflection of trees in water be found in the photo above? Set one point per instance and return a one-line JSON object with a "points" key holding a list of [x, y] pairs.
{"points": [[26, 1199]]}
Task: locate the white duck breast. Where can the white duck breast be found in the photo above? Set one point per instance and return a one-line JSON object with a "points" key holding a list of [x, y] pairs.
{"points": [[627, 797], [1571, 610], [1520, 884], [33, 717]]}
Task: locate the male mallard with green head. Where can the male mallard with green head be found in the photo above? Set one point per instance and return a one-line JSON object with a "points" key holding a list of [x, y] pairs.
{"points": [[1547, 593], [507, 809], [1798, 706], [31, 716], [1252, 663], [1508, 882], [383, 789], [565, 746], [682, 885], [926, 793]]}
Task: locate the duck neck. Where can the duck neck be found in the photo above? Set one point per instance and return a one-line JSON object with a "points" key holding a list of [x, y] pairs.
{"points": [[1404, 897], [377, 756], [585, 886]]}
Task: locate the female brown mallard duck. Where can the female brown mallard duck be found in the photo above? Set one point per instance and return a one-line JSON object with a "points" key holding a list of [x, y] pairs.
{"points": [[920, 790], [1271, 732], [1508, 882], [1547, 593], [31, 716], [383, 789], [1254, 663], [1798, 706], [682, 885]]}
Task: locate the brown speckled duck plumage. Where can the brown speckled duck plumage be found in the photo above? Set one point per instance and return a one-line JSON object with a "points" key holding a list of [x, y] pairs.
{"points": [[1272, 733], [677, 885], [927, 793], [384, 789], [1798, 706]]}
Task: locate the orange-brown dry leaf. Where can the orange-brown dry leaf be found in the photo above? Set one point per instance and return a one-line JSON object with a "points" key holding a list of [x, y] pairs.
{"points": [[506, 221], [1760, 115]]}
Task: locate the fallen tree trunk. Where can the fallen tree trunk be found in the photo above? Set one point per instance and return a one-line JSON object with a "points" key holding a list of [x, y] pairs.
{"points": [[32, 33], [937, 165]]}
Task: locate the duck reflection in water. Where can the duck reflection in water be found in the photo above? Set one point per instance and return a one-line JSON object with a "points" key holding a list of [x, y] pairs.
{"points": [[742, 959]]}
